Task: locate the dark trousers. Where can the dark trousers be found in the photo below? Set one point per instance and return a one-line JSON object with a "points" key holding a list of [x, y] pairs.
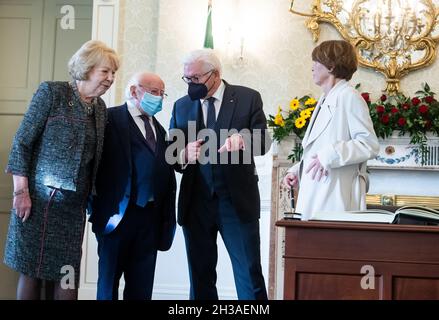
{"points": [[210, 216], [131, 250]]}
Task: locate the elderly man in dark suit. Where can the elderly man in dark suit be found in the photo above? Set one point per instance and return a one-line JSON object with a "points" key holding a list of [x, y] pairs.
{"points": [[219, 188], [133, 214]]}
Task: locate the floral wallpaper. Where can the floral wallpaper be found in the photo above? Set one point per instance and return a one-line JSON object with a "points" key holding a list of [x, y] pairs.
{"points": [[155, 35], [137, 44]]}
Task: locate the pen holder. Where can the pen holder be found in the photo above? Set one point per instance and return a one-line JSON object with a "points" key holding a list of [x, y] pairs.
{"points": [[292, 214]]}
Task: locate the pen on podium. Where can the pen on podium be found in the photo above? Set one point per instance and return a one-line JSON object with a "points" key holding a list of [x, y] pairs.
{"points": [[292, 214], [292, 199]]}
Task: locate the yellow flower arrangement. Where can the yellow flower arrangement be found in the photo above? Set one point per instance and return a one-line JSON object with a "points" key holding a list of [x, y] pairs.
{"points": [[278, 119], [294, 104], [294, 119]]}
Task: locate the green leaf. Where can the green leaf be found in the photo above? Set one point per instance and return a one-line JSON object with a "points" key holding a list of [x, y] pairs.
{"points": [[427, 87]]}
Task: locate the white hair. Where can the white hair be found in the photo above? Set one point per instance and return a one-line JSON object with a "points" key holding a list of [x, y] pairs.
{"points": [[207, 56], [134, 81]]}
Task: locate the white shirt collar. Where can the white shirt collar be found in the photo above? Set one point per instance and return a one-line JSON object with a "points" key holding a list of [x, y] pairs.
{"points": [[218, 94], [134, 111]]}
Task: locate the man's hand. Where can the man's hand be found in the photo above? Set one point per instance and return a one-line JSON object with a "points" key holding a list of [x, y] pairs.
{"points": [[233, 143], [192, 151], [318, 171]]}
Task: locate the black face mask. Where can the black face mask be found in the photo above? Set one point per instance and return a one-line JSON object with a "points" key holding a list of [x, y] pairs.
{"points": [[197, 91]]}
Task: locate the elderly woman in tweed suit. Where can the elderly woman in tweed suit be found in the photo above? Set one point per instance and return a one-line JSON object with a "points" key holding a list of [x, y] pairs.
{"points": [[54, 158]]}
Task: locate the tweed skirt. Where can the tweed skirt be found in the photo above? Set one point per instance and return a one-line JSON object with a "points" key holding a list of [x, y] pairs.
{"points": [[49, 244]]}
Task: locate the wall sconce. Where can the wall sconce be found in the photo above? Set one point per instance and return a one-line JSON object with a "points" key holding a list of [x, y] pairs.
{"points": [[241, 31], [392, 37], [234, 48], [241, 49]]}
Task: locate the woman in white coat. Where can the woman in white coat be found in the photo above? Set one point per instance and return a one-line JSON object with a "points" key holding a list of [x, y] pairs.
{"points": [[338, 141]]}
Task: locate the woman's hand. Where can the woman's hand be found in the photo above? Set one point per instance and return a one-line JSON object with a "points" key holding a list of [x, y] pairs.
{"points": [[290, 180], [22, 205], [318, 171], [22, 202]]}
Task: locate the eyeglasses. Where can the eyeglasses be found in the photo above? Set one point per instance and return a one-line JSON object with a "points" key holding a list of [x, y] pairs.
{"points": [[154, 91], [195, 79]]}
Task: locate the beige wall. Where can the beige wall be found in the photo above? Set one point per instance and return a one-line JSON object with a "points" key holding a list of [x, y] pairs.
{"points": [[155, 35]]}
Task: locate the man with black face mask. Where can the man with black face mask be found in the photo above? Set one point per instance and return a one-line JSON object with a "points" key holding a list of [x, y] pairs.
{"points": [[216, 195]]}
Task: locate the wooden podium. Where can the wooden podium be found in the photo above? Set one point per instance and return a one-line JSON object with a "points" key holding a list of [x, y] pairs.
{"points": [[324, 260]]}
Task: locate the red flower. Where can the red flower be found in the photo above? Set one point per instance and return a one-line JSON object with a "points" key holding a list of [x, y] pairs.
{"points": [[415, 115], [427, 124], [423, 108], [429, 99], [402, 122], [365, 96], [416, 101], [380, 109], [385, 119]]}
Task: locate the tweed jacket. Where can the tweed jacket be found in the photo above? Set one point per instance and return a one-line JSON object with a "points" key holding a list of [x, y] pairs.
{"points": [[49, 143]]}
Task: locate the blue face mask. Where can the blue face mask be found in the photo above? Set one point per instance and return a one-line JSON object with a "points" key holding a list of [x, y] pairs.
{"points": [[151, 104]]}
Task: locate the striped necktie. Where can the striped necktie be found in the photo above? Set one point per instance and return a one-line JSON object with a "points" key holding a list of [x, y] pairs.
{"points": [[149, 134]]}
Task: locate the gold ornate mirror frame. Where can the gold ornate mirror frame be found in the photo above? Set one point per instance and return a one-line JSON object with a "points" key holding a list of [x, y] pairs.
{"points": [[393, 37]]}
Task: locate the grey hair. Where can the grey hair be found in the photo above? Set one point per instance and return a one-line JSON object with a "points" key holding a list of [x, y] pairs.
{"points": [[134, 81], [207, 56], [88, 56]]}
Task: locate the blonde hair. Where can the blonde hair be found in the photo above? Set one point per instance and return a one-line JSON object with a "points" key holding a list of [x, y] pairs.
{"points": [[88, 56]]}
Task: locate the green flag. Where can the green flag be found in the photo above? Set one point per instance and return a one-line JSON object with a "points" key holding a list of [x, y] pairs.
{"points": [[208, 37]]}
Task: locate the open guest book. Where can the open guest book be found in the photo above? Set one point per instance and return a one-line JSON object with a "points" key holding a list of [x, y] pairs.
{"points": [[405, 215]]}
